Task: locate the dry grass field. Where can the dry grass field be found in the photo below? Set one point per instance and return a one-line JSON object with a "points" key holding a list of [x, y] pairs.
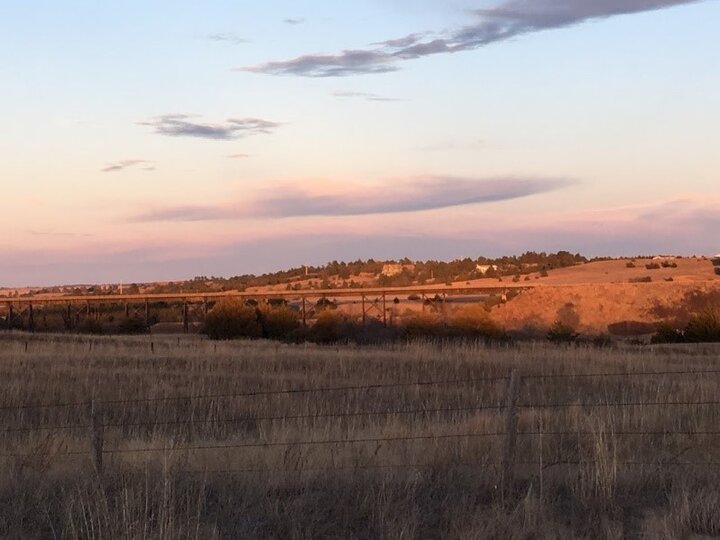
{"points": [[258, 439]]}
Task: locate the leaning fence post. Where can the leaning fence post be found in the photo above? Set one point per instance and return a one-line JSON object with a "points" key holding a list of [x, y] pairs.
{"points": [[97, 436], [511, 422]]}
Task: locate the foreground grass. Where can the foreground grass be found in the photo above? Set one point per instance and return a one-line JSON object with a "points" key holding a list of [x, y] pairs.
{"points": [[596, 480]]}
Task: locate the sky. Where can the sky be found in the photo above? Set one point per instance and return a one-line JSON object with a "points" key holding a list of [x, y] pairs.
{"points": [[164, 140]]}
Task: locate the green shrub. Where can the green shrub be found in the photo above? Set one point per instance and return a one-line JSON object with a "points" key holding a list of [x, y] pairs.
{"points": [[132, 325], [703, 327], [560, 332], [667, 334], [474, 321], [231, 319], [423, 325], [329, 327], [90, 326], [280, 323]]}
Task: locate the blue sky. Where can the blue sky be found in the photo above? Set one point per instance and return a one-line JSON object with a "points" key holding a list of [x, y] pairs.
{"points": [[162, 140]]}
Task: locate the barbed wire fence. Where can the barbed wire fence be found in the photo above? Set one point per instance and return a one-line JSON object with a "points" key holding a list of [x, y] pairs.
{"points": [[507, 411]]}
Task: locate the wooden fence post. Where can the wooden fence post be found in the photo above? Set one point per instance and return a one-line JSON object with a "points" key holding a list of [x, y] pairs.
{"points": [[97, 436], [31, 318], [510, 440]]}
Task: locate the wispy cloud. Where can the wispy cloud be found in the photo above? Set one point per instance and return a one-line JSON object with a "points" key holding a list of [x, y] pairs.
{"points": [[183, 125], [427, 193], [128, 163], [55, 233], [239, 156], [293, 21], [227, 37], [368, 96], [508, 19]]}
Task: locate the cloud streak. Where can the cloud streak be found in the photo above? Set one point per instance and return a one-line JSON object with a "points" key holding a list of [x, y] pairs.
{"points": [[508, 19], [126, 164], [368, 96], [428, 193], [227, 37], [183, 125], [55, 233]]}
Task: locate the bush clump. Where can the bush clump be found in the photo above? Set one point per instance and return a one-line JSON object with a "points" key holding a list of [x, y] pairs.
{"points": [[90, 326], [423, 325], [231, 319], [703, 327], [329, 327], [280, 323], [474, 321], [132, 326], [667, 334], [560, 332]]}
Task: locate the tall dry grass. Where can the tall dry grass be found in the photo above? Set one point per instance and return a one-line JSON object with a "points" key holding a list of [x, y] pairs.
{"points": [[595, 480]]}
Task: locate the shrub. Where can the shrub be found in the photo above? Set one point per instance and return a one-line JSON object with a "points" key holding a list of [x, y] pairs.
{"points": [[667, 334], [560, 332], [132, 325], [425, 325], [703, 327], [280, 323], [668, 264], [652, 266], [231, 319], [474, 321], [90, 326], [630, 264], [543, 273], [643, 279], [328, 328]]}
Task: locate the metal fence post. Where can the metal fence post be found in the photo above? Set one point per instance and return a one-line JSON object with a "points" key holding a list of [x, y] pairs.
{"points": [[510, 440], [97, 435]]}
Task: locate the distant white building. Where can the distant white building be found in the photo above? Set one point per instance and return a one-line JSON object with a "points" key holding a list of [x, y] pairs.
{"points": [[391, 270], [485, 268]]}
